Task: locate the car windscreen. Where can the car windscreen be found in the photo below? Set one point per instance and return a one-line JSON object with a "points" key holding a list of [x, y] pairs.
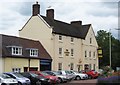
{"points": [[18, 75], [45, 74], [33, 74], [4, 76], [56, 73]]}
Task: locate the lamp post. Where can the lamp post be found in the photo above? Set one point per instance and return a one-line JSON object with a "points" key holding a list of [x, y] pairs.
{"points": [[111, 44]]}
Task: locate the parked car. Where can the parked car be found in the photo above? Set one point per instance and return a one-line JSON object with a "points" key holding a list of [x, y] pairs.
{"points": [[68, 75], [79, 76], [53, 79], [91, 74], [62, 78], [7, 80], [21, 79], [36, 79]]}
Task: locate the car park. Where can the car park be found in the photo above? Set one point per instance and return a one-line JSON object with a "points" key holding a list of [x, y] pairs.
{"points": [[21, 79], [53, 79], [62, 78], [79, 76], [36, 79], [7, 80]]}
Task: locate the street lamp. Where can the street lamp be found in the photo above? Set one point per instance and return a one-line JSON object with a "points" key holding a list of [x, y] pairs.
{"points": [[110, 43]]}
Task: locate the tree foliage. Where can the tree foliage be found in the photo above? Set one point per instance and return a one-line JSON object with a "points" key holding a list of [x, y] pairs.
{"points": [[103, 42]]}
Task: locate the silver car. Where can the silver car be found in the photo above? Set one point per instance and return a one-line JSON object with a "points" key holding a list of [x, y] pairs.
{"points": [[7, 80], [79, 76], [21, 80], [62, 78], [68, 75]]}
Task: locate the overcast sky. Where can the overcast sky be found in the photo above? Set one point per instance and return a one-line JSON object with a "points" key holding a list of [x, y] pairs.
{"points": [[102, 14]]}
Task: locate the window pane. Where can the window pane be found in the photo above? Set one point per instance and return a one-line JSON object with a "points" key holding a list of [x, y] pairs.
{"points": [[72, 39], [60, 37], [34, 52], [72, 52], [59, 66]]}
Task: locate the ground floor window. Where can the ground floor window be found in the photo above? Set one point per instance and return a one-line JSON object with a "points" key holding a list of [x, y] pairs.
{"points": [[16, 69], [86, 67], [59, 66], [79, 68], [45, 64], [93, 66], [71, 66]]}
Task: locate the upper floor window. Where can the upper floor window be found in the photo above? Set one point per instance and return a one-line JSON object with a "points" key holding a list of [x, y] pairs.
{"points": [[60, 37], [34, 52], [94, 54], [90, 40], [72, 52], [90, 54], [85, 53], [72, 39], [16, 50], [60, 51]]}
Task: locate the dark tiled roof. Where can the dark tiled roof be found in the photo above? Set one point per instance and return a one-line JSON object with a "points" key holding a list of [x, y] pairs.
{"points": [[24, 43], [63, 28]]}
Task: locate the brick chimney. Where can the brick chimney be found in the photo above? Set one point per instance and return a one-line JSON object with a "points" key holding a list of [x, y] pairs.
{"points": [[76, 23], [36, 9], [50, 13]]}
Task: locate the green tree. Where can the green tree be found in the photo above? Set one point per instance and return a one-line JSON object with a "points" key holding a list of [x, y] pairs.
{"points": [[103, 42]]}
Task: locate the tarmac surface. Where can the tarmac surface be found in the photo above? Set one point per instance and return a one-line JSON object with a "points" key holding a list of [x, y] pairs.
{"points": [[81, 82]]}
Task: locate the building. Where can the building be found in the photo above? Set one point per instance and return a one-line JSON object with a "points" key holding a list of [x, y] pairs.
{"points": [[20, 55], [72, 46]]}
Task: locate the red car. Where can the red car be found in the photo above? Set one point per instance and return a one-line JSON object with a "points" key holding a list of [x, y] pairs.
{"points": [[53, 79], [91, 74]]}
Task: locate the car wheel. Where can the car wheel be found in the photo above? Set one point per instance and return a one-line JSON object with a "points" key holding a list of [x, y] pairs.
{"points": [[38, 83], [77, 78], [60, 80], [19, 83], [3, 84], [89, 77]]}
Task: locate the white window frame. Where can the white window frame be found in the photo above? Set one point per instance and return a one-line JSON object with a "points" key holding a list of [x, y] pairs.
{"points": [[34, 52], [16, 50]]}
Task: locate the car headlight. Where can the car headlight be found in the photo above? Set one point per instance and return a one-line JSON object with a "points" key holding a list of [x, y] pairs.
{"points": [[42, 79]]}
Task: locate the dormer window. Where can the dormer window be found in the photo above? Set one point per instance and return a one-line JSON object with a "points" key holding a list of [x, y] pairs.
{"points": [[16, 50], [34, 52]]}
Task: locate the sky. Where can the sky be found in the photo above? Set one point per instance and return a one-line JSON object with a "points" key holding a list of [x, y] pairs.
{"points": [[102, 14]]}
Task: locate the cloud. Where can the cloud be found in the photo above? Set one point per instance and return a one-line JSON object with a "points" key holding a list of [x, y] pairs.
{"points": [[101, 14]]}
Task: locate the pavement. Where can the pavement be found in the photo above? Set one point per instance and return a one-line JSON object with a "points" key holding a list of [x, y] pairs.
{"points": [[81, 82]]}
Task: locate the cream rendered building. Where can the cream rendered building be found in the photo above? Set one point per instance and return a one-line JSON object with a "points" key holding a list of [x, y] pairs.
{"points": [[66, 43], [21, 55]]}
